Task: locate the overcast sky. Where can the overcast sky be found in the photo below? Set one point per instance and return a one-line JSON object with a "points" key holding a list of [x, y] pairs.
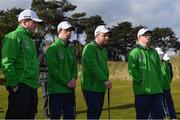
{"points": [[150, 13]]}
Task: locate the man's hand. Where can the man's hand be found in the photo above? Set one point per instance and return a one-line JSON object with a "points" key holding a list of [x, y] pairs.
{"points": [[108, 84], [72, 83]]}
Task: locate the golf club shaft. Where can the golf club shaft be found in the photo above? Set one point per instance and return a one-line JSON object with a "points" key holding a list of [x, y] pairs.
{"points": [[108, 104]]}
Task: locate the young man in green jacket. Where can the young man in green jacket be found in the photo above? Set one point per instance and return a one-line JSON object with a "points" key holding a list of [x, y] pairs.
{"points": [[62, 69], [167, 75], [95, 73], [21, 67], [144, 68]]}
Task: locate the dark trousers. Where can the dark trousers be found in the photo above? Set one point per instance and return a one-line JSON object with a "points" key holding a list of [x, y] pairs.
{"points": [[94, 103], [168, 104], [22, 104], [45, 98], [145, 104], [62, 103]]}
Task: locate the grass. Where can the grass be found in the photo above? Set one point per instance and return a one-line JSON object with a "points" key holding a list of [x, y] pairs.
{"points": [[122, 99], [121, 102]]}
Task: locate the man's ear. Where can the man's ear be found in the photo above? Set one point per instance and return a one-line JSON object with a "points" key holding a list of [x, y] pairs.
{"points": [[23, 23], [59, 31]]}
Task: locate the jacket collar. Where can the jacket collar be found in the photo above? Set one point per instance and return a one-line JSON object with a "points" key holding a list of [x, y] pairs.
{"points": [[59, 41], [24, 30], [95, 43]]}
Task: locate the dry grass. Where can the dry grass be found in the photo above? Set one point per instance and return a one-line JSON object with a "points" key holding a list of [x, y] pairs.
{"points": [[119, 70], [176, 67]]}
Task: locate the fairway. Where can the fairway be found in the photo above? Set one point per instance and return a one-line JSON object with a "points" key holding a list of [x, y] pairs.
{"points": [[122, 99]]}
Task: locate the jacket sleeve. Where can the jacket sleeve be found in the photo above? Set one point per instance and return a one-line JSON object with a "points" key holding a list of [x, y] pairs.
{"points": [[133, 68], [54, 68], [90, 57], [10, 50], [170, 70]]}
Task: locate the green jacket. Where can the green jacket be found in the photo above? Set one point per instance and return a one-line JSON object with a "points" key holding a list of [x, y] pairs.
{"points": [[94, 68], [62, 67], [166, 74], [144, 68], [19, 59]]}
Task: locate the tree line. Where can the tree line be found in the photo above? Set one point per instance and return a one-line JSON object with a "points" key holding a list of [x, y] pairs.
{"points": [[123, 36]]}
